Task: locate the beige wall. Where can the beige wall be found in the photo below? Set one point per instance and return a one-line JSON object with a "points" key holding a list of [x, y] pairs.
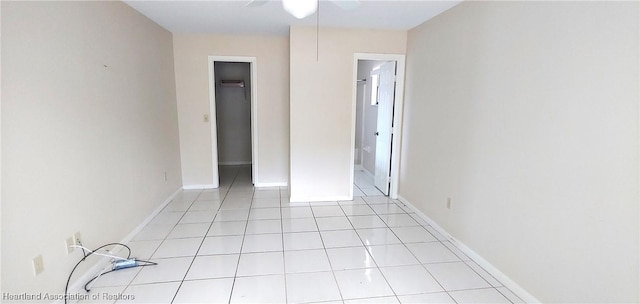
{"points": [[89, 126], [526, 115], [192, 76], [322, 106]]}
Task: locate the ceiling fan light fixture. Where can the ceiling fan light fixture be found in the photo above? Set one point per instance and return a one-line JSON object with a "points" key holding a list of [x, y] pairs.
{"points": [[300, 8]]}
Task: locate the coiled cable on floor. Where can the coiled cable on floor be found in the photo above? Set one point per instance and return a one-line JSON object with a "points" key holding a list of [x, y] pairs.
{"points": [[85, 255]]}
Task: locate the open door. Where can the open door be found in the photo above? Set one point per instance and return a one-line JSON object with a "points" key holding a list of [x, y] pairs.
{"points": [[386, 75]]}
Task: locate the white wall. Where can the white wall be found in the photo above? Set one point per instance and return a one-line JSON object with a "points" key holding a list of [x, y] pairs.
{"points": [[322, 113], [526, 115], [89, 126], [233, 114], [191, 57]]}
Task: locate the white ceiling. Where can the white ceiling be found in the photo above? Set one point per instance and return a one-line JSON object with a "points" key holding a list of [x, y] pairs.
{"points": [[233, 17]]}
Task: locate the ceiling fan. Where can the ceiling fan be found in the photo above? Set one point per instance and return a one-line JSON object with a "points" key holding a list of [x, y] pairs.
{"points": [[304, 8]]}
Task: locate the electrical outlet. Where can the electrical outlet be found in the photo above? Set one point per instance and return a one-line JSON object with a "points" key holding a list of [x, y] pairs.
{"points": [[205, 117], [70, 242], [77, 238], [449, 203], [38, 265]]}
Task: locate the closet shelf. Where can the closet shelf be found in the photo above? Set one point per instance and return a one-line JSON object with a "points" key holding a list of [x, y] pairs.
{"points": [[232, 83]]}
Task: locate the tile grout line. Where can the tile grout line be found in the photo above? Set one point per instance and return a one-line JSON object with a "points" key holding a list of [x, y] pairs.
{"points": [[203, 240], [324, 247]]}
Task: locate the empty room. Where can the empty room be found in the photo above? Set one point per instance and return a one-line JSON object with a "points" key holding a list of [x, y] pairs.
{"points": [[320, 151]]}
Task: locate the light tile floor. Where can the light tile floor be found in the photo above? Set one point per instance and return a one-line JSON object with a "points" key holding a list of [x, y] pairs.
{"points": [[238, 244]]}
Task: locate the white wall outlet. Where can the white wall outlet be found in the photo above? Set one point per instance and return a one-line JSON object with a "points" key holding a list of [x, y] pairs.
{"points": [[449, 203], [38, 265], [205, 117], [77, 238], [70, 242]]}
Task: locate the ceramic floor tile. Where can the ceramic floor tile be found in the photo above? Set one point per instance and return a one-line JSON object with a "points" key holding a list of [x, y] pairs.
{"points": [[428, 298], [371, 191], [227, 228], [372, 200], [153, 232], [205, 206], [362, 283], [488, 295], [267, 194], [205, 291], [392, 255], [432, 252], [150, 293], [306, 261], [209, 196], [367, 221], [350, 258], [244, 203], [413, 234], [299, 225], [405, 280], [167, 270], [379, 300], [377, 236], [261, 263], [387, 209], [266, 203], [221, 245], [325, 211], [311, 287], [232, 215], [174, 206], [259, 289], [340, 238], [213, 266], [333, 223], [351, 210], [296, 212], [262, 243], [189, 230], [302, 241], [166, 218], [191, 217], [456, 276], [398, 220], [264, 214], [143, 249], [178, 248], [264, 227]]}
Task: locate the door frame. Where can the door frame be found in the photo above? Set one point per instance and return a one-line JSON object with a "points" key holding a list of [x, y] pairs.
{"points": [[398, 106], [253, 66]]}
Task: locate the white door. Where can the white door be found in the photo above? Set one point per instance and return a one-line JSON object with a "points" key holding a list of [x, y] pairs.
{"points": [[386, 94]]}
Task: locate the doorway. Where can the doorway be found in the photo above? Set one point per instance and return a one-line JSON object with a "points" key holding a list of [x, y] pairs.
{"points": [[232, 94], [376, 134]]}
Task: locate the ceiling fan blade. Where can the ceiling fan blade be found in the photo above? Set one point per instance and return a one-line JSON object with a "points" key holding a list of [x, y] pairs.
{"points": [[255, 3], [346, 4]]}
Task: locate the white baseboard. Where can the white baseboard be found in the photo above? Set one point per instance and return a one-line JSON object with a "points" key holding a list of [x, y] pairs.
{"points": [[199, 187], [490, 268], [264, 185], [311, 199], [99, 266]]}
